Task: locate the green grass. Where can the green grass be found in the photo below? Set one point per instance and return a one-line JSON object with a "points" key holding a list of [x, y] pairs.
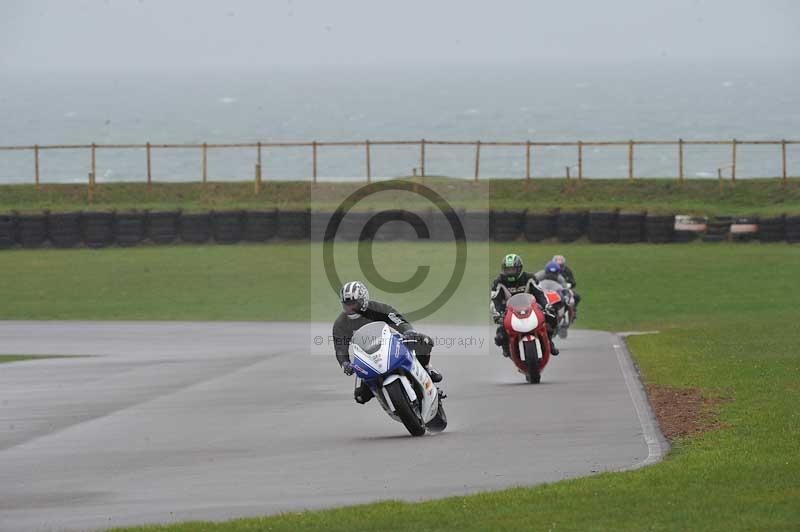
{"points": [[21, 358], [727, 316], [695, 196]]}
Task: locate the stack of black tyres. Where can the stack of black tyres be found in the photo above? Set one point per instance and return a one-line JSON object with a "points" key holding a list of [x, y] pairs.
{"points": [[294, 225], [659, 228], [539, 226], [64, 229], [162, 226], [130, 228], [195, 228], [631, 227], [260, 226], [352, 225], [442, 224], [31, 230], [747, 228], [603, 227], [319, 222], [505, 226], [717, 229], [227, 226], [476, 226], [571, 226], [772, 229], [792, 228], [8, 230], [97, 229]]}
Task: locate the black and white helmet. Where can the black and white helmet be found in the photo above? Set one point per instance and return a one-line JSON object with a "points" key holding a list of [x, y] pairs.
{"points": [[354, 297]]}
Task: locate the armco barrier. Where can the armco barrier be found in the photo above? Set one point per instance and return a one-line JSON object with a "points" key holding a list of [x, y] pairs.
{"points": [[130, 228], [100, 229], [8, 229], [195, 228], [64, 229]]}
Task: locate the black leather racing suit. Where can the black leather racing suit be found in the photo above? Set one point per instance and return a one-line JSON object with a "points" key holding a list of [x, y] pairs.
{"points": [[345, 325], [502, 290]]}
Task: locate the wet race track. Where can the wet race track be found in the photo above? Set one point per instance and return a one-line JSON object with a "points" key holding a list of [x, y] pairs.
{"points": [[179, 421]]}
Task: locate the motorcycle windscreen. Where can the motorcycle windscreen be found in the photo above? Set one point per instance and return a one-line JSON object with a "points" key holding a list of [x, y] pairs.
{"points": [[371, 349], [552, 286]]}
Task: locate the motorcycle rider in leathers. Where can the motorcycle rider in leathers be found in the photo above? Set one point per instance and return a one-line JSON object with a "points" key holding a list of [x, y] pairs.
{"points": [[357, 311], [513, 280]]}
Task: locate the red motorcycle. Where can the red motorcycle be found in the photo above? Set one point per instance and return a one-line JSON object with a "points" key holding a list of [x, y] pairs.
{"points": [[528, 340]]}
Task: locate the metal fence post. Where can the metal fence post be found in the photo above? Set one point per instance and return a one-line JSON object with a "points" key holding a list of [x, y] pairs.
{"points": [[422, 158], [680, 161], [258, 168], [149, 168], [733, 160], [580, 159], [36, 164], [783, 160], [94, 161], [314, 160], [369, 163], [630, 159], [205, 163], [477, 159], [528, 159]]}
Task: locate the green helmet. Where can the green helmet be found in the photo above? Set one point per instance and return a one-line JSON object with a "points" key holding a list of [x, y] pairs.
{"points": [[511, 267]]}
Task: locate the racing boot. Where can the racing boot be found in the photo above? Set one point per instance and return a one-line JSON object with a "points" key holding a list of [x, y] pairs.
{"points": [[435, 375], [362, 394], [506, 350], [553, 348]]}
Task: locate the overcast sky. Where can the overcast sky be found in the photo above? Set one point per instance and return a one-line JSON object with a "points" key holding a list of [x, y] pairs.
{"points": [[191, 34]]}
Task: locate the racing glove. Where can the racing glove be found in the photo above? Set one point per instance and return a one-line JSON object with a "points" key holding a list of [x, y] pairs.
{"points": [[347, 367]]}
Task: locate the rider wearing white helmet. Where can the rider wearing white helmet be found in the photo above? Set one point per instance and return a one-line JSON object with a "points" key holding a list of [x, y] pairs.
{"points": [[357, 311], [569, 276]]}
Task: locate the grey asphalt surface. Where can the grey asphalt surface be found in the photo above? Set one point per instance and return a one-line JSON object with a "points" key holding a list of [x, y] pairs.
{"points": [[185, 421]]}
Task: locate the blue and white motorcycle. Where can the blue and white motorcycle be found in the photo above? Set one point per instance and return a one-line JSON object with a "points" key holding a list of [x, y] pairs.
{"points": [[397, 379]]}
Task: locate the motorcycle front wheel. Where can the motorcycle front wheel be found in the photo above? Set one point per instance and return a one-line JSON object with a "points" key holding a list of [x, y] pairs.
{"points": [[532, 359], [404, 410]]}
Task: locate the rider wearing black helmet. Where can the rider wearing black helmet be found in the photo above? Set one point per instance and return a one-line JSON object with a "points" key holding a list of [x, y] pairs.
{"points": [[513, 280], [357, 311]]}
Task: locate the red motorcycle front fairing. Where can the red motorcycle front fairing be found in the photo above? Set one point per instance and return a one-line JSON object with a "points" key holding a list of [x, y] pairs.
{"points": [[524, 318]]}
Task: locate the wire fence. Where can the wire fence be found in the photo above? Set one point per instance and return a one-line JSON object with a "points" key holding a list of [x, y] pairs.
{"points": [[260, 151]]}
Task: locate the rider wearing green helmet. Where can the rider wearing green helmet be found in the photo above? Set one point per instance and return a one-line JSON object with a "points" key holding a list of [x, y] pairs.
{"points": [[514, 280]]}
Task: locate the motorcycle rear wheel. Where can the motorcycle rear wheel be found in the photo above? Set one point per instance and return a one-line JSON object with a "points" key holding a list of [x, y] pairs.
{"points": [[404, 410]]}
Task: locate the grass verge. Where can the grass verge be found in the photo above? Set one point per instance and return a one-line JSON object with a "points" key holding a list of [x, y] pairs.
{"points": [[694, 196], [20, 358], [727, 316]]}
